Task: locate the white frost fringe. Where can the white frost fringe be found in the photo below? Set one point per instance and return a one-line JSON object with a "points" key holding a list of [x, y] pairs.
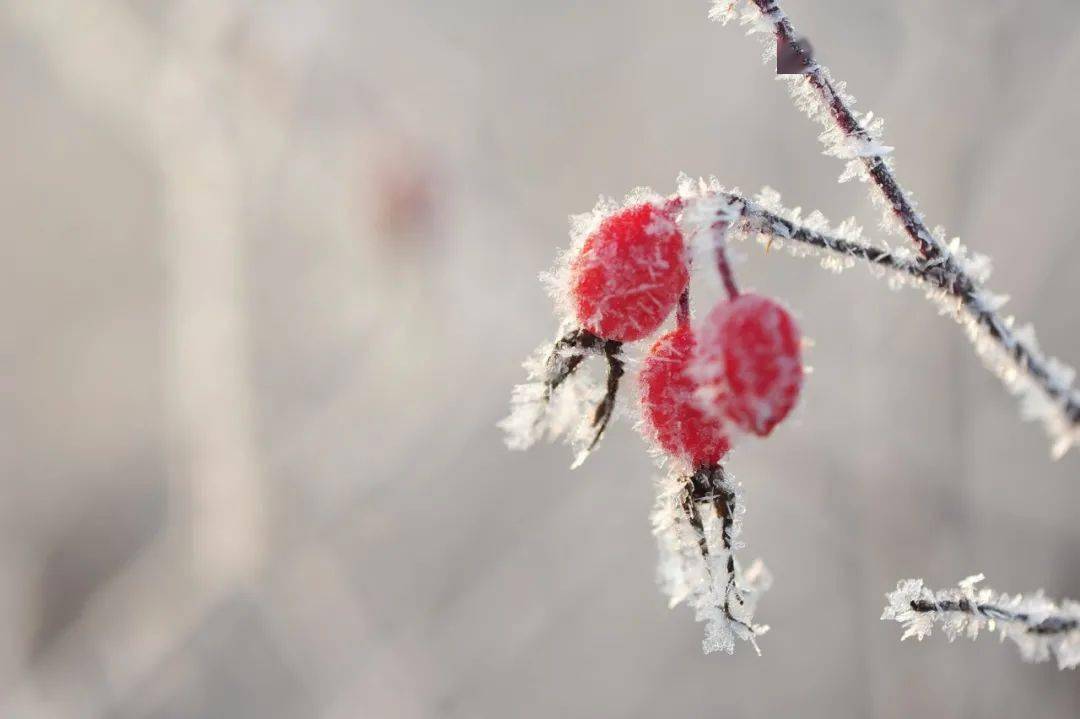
{"points": [[684, 576], [1039, 626]]}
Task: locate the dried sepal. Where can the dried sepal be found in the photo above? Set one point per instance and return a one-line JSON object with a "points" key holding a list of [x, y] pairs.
{"points": [[697, 521]]}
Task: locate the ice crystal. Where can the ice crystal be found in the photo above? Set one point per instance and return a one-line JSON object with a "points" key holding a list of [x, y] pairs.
{"points": [[1041, 628]]}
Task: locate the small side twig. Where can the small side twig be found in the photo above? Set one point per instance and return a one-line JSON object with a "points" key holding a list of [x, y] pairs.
{"points": [[1041, 628], [682, 313]]}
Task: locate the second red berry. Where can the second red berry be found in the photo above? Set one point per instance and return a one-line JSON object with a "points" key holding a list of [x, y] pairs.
{"points": [[751, 351], [670, 403]]}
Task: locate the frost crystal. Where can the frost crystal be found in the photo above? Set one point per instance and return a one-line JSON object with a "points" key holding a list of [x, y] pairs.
{"points": [[1041, 628]]}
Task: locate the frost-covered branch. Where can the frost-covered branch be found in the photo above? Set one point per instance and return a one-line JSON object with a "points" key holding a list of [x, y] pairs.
{"points": [[848, 134], [1044, 384], [1039, 626], [697, 521]]}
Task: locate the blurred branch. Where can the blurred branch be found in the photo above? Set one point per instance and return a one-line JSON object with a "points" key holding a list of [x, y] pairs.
{"points": [[167, 92]]}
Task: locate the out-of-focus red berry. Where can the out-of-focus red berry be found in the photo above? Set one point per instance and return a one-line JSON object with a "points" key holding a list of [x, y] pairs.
{"points": [[629, 274], [751, 348], [672, 413]]}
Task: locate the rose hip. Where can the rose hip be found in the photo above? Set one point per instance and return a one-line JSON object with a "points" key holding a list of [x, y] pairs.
{"points": [[629, 274], [751, 354], [672, 414]]}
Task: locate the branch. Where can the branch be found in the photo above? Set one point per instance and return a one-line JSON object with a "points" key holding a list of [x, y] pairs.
{"points": [[1039, 626], [954, 283], [1044, 383], [848, 135]]}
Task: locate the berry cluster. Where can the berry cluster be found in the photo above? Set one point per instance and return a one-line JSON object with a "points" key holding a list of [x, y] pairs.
{"points": [[701, 385], [739, 372]]}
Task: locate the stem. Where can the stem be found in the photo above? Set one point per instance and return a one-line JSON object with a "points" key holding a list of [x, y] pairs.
{"points": [[720, 230], [682, 314]]}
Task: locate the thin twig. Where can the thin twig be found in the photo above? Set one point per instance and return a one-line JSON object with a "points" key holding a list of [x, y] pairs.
{"points": [[1040, 627], [1045, 625], [682, 313]]}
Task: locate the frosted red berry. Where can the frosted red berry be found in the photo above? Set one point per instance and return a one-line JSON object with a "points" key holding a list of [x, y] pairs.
{"points": [[629, 274], [751, 348], [672, 413]]}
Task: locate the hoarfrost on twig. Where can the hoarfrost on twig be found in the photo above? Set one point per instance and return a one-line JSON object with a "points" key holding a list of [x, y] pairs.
{"points": [[1040, 627], [954, 282]]}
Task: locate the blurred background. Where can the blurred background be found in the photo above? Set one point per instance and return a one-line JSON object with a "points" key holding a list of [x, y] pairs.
{"points": [[269, 273]]}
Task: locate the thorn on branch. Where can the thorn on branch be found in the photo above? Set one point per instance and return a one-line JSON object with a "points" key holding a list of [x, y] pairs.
{"points": [[793, 56]]}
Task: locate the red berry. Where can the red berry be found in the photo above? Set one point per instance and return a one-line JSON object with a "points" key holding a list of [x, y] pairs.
{"points": [[629, 274], [671, 410], [751, 351]]}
